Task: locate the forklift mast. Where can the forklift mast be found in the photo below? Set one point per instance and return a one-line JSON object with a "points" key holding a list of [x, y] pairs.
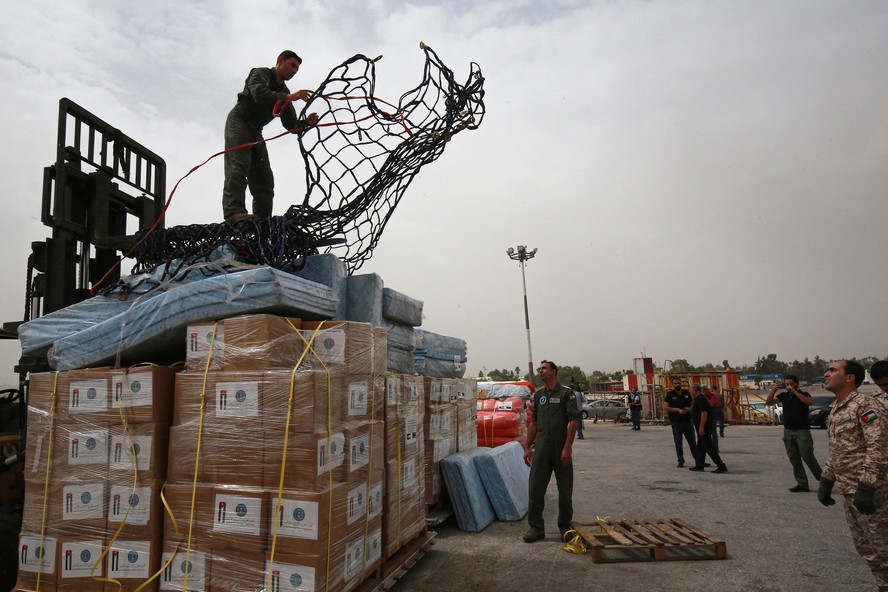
{"points": [[103, 188]]}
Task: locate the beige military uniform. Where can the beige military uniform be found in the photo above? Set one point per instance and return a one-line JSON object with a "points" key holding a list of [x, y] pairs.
{"points": [[858, 452]]}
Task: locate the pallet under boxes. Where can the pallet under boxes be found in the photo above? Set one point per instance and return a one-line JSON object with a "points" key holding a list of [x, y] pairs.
{"points": [[619, 541]]}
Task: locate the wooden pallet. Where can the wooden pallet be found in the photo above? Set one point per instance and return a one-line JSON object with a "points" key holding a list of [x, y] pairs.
{"points": [[394, 568], [620, 541]]}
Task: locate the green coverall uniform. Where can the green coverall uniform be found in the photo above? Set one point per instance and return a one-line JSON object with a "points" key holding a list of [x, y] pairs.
{"points": [[250, 166], [551, 413]]}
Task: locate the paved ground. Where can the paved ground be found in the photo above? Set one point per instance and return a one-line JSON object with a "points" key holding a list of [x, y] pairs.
{"points": [[776, 540]]}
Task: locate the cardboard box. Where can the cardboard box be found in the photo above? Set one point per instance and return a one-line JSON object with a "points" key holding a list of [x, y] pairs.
{"points": [[199, 337], [149, 442], [76, 508], [136, 510], [403, 435], [38, 559], [355, 348], [238, 400], [184, 568], [82, 451], [306, 521], [142, 394], [314, 461], [133, 561], [87, 395], [237, 572], [190, 529], [364, 447], [303, 573], [240, 520], [262, 342], [227, 457], [78, 571]]}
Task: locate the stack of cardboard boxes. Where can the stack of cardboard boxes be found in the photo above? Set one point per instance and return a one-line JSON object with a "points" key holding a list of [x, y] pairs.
{"points": [[450, 425], [97, 454], [291, 460], [279, 443], [405, 508]]}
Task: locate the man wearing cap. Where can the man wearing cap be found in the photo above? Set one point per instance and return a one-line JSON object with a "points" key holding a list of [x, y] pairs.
{"points": [[548, 449]]}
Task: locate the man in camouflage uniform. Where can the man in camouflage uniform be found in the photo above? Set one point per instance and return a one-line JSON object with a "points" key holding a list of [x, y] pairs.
{"points": [[552, 430], [858, 460], [879, 374]]}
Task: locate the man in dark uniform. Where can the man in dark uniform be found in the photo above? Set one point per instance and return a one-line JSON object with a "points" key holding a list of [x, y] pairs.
{"points": [[796, 430], [552, 429], [265, 93], [678, 405], [704, 424], [635, 407]]}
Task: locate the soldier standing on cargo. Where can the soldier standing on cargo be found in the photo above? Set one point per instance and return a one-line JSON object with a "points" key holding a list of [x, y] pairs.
{"points": [[265, 95], [858, 460], [552, 429], [796, 430], [678, 405]]}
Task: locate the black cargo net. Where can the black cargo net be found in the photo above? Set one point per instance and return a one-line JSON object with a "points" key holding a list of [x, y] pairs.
{"points": [[359, 160]]}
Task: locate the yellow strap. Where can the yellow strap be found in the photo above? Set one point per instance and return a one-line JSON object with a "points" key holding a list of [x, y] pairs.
{"points": [[52, 410]]}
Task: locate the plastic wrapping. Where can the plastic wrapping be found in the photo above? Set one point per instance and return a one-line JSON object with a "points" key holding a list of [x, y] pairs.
{"points": [[272, 445], [401, 309]]}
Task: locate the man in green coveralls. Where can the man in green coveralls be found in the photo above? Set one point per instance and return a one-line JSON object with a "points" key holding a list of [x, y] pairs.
{"points": [[265, 91], [555, 414]]}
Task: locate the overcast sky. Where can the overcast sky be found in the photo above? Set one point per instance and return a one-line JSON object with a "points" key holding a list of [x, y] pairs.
{"points": [[703, 179]]}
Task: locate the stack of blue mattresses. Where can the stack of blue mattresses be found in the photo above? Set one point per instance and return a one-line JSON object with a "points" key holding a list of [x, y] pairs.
{"points": [[471, 507], [152, 326], [369, 301], [439, 356], [505, 477]]}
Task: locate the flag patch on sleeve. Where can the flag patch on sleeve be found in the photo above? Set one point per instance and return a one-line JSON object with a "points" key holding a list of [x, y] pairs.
{"points": [[869, 417]]}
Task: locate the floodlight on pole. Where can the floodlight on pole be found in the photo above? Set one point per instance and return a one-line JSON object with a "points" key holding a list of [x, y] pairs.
{"points": [[522, 255]]}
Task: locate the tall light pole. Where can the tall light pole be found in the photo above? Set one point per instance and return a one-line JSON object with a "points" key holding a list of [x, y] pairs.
{"points": [[521, 254]]}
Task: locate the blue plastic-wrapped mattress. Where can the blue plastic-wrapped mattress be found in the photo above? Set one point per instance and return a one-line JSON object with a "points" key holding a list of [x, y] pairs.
{"points": [[154, 329], [505, 477], [471, 507]]}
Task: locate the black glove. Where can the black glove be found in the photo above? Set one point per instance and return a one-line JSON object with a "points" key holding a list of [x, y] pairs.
{"points": [[824, 492], [863, 498]]}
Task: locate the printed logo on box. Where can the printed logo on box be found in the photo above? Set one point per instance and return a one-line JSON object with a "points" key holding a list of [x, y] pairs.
{"points": [[88, 396], [88, 448], [132, 505], [122, 450], [374, 547], [374, 500], [173, 576], [330, 453], [297, 519], [79, 557], [357, 398], [408, 474], [288, 577], [329, 345], [359, 452], [237, 399], [130, 561], [238, 514], [135, 389], [392, 388], [411, 429], [357, 503], [37, 555], [354, 559], [83, 502]]}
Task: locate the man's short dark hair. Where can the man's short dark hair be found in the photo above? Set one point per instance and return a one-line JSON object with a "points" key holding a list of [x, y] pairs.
{"points": [[791, 377], [879, 370], [287, 54], [852, 367], [551, 365]]}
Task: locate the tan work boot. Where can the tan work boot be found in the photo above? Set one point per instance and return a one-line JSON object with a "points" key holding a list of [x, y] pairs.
{"points": [[533, 535], [238, 217]]}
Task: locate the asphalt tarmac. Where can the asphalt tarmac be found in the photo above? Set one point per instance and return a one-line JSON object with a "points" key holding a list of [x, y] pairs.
{"points": [[776, 540]]}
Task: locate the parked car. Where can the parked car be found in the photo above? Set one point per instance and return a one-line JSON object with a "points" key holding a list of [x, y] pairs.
{"points": [[604, 409], [819, 410]]}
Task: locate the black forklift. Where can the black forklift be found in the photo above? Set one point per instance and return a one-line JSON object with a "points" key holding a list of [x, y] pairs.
{"points": [[102, 189]]}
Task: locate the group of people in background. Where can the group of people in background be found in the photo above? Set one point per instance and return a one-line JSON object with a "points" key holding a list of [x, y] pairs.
{"points": [[692, 417]]}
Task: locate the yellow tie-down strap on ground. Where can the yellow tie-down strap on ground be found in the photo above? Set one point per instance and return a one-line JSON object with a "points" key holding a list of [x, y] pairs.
{"points": [[573, 542]]}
